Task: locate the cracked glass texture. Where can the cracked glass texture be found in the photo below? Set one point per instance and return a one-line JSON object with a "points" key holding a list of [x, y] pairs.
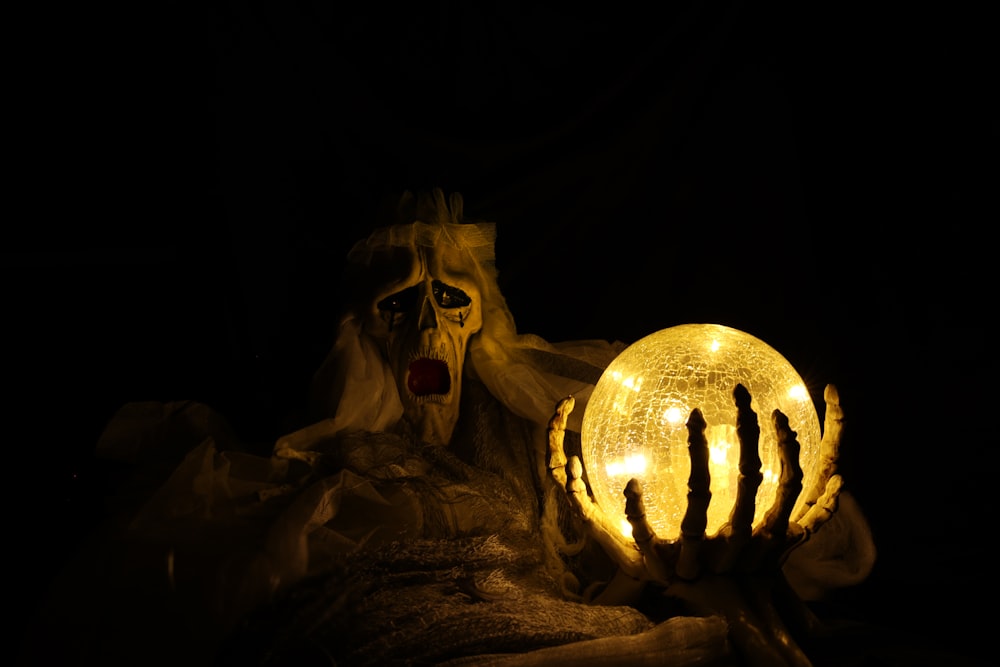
{"points": [[635, 422]]}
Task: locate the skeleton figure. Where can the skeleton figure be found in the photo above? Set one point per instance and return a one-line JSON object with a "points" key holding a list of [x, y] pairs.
{"points": [[436, 511], [426, 304]]}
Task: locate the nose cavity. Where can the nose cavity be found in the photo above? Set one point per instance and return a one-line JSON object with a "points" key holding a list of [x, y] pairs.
{"points": [[428, 316]]}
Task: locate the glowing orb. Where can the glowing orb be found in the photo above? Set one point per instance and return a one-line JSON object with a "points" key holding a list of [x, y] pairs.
{"points": [[634, 424]]}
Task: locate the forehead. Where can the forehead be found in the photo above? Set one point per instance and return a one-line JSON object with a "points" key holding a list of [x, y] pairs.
{"points": [[448, 262], [400, 267]]}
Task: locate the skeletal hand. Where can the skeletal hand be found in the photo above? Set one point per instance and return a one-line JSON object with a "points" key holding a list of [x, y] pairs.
{"points": [[736, 571]]}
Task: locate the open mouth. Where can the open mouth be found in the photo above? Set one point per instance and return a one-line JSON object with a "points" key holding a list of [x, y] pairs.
{"points": [[428, 376]]}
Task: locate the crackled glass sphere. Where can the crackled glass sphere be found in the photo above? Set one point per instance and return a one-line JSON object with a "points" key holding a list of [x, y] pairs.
{"points": [[635, 421]]}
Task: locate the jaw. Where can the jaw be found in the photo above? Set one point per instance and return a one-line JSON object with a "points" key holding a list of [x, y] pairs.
{"points": [[428, 380], [430, 399]]}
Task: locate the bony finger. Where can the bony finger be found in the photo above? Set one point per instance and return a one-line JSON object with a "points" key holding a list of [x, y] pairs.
{"points": [[735, 534], [821, 511], [789, 483], [750, 478], [643, 534], [698, 498], [833, 421], [563, 409], [556, 437], [833, 428], [635, 512], [577, 489]]}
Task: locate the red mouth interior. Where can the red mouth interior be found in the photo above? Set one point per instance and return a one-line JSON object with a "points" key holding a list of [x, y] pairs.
{"points": [[428, 376]]}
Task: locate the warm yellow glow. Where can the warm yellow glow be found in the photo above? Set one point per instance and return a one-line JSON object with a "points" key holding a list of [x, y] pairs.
{"points": [[798, 393], [632, 465], [673, 415], [719, 446], [634, 425]]}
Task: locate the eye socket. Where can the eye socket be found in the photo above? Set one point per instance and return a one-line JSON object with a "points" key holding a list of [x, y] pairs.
{"points": [[448, 296], [400, 301]]}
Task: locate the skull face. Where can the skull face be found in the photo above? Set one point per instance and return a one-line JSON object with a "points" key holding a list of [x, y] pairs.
{"points": [[425, 321]]}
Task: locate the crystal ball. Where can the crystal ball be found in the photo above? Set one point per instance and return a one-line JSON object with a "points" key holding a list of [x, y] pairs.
{"points": [[634, 425]]}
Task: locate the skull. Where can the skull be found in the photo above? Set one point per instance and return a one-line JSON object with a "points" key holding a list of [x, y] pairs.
{"points": [[425, 320]]}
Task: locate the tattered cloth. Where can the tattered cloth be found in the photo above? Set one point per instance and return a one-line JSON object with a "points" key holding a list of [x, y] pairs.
{"points": [[424, 602]]}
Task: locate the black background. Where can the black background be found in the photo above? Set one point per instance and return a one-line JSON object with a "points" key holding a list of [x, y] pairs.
{"points": [[821, 177]]}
